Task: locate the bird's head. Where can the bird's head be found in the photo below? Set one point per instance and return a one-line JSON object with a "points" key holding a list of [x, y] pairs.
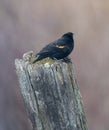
{"points": [[69, 34]]}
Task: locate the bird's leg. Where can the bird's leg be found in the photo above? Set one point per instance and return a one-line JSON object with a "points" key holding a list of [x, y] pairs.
{"points": [[58, 60], [66, 59]]}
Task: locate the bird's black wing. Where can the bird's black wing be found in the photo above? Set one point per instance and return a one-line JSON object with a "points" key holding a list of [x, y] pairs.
{"points": [[57, 45]]}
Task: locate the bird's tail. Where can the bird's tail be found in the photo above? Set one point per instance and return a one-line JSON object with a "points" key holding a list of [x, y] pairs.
{"points": [[38, 58], [34, 61]]}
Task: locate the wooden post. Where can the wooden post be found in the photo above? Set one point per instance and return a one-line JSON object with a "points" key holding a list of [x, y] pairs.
{"points": [[51, 95]]}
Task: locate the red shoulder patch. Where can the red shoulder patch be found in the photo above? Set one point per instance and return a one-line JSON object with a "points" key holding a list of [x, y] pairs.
{"points": [[61, 46]]}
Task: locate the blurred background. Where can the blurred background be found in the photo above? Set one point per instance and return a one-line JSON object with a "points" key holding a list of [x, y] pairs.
{"points": [[29, 25]]}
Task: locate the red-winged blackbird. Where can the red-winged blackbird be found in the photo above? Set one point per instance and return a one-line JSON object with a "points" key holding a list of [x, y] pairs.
{"points": [[58, 49]]}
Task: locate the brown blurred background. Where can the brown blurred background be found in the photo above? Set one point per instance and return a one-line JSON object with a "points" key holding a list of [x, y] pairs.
{"points": [[29, 25]]}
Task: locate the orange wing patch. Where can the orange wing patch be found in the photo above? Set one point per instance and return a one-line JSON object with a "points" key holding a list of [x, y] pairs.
{"points": [[61, 46]]}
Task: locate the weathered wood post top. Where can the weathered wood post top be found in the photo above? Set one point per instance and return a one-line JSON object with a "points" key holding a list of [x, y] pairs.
{"points": [[51, 94]]}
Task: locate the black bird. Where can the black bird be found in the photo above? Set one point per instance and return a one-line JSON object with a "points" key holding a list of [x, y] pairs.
{"points": [[58, 49]]}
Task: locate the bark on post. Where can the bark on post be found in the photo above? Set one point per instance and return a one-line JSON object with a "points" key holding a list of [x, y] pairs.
{"points": [[51, 95]]}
